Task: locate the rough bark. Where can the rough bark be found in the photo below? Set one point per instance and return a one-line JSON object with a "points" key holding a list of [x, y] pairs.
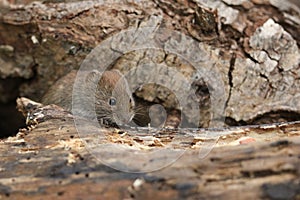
{"points": [[50, 160], [250, 47]]}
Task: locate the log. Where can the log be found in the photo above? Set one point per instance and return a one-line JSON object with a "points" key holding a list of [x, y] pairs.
{"points": [[51, 160], [248, 58], [246, 65]]}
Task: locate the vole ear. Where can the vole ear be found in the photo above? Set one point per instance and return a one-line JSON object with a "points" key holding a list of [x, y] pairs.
{"points": [[92, 77], [117, 72]]}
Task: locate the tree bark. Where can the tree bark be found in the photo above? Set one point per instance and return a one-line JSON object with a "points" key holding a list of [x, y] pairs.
{"points": [[51, 160], [248, 49], [241, 58]]}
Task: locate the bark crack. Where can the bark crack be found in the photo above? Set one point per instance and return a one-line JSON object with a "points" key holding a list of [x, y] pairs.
{"points": [[230, 77]]}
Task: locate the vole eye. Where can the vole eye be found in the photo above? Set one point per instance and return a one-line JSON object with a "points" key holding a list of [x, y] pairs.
{"points": [[112, 101]]}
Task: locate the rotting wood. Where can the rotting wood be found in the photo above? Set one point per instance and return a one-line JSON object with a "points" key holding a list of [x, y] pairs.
{"points": [[50, 160], [42, 41]]}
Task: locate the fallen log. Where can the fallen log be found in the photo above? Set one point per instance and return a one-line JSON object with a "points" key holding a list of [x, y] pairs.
{"points": [[51, 160]]}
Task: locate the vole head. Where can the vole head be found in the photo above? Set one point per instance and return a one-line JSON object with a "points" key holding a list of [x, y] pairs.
{"points": [[114, 103]]}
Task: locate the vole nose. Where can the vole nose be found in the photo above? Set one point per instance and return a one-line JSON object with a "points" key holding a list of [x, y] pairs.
{"points": [[125, 119], [128, 119]]}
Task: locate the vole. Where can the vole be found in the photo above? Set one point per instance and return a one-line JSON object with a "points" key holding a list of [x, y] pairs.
{"points": [[106, 96]]}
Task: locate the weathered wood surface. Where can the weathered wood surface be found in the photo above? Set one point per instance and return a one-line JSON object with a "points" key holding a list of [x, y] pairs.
{"points": [[250, 45], [50, 161], [40, 42]]}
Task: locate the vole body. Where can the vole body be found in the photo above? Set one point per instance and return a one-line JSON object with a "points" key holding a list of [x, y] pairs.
{"points": [[105, 96]]}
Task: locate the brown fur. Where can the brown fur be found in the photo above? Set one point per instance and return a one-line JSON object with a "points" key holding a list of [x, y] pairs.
{"points": [[90, 96]]}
